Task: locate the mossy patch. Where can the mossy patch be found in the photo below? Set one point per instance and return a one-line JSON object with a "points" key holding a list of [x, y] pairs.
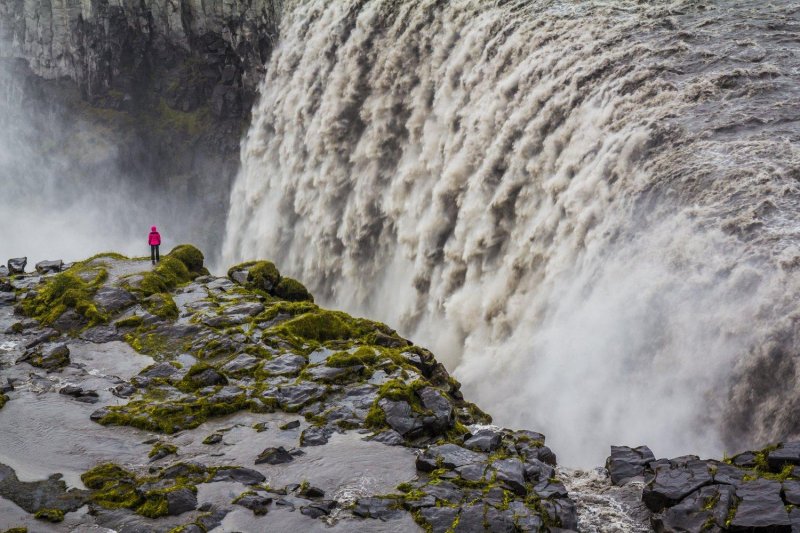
{"points": [[3, 400], [162, 305], [50, 515], [72, 289], [293, 291], [163, 449], [362, 356]]}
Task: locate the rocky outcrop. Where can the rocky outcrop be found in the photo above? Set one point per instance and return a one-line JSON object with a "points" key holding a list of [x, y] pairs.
{"points": [[308, 387], [752, 491]]}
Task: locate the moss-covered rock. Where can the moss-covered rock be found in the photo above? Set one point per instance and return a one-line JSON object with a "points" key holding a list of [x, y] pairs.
{"points": [[3, 400], [292, 290], [50, 515], [72, 289], [191, 257], [262, 275]]}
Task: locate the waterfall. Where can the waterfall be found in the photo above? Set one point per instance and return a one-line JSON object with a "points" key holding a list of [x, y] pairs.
{"points": [[587, 210]]}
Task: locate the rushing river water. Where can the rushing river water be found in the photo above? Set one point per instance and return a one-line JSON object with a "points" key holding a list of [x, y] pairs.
{"points": [[587, 209]]}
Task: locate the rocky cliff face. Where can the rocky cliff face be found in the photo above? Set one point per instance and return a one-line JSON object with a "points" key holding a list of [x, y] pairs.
{"points": [[168, 86]]}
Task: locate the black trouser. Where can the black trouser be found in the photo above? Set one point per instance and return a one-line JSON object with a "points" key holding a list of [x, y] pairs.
{"points": [[154, 253]]}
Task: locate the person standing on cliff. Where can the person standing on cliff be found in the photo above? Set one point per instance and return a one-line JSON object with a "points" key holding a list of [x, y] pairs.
{"points": [[155, 242]]}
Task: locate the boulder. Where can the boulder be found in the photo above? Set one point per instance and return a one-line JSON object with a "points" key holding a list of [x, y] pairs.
{"points": [[7, 298], [315, 436], [285, 365], [294, 424], [293, 397], [377, 508], [440, 519], [389, 437], [442, 409], [500, 521], [626, 464], [256, 503], [484, 440], [246, 309], [788, 453], [17, 265], [536, 470], [511, 473], [241, 363], [274, 456], [449, 456], [550, 489], [113, 299], [470, 519], [181, 501], [673, 482], [401, 417], [694, 513], [51, 357], [49, 267], [760, 508], [246, 476]]}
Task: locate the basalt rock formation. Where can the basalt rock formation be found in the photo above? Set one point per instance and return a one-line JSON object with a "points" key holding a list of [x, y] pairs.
{"points": [[236, 402]]}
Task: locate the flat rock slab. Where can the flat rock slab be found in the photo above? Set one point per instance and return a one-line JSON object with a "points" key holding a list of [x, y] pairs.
{"points": [[626, 464], [674, 482], [761, 507], [50, 493]]}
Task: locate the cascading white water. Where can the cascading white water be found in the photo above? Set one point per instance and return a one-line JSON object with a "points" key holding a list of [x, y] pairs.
{"points": [[572, 204]]}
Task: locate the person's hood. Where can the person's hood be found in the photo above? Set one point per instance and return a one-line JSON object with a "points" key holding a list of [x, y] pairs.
{"points": [[153, 229]]}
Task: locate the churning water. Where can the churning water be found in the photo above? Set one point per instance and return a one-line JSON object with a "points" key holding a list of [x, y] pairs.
{"points": [[589, 210]]}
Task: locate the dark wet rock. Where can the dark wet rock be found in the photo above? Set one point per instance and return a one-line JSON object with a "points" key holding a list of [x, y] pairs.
{"points": [[99, 414], [788, 453], [214, 438], [378, 508], [283, 502], [673, 482], [159, 370], [484, 440], [220, 284], [500, 521], [511, 473], [760, 508], [50, 493], [314, 511], [329, 374], [294, 424], [476, 472], [389, 437], [69, 321], [81, 395], [293, 397], [791, 492], [184, 469], [401, 417], [626, 464], [547, 456], [745, 460], [123, 390], [548, 488], [180, 501], [564, 511], [536, 470], [45, 336], [470, 519], [225, 321], [694, 513], [113, 299], [7, 297], [246, 476], [449, 455], [274, 456], [17, 265], [445, 491], [246, 309], [310, 491], [440, 519], [725, 473], [101, 334], [285, 365], [50, 357], [525, 520], [441, 408], [256, 503], [208, 378], [241, 363], [316, 436]]}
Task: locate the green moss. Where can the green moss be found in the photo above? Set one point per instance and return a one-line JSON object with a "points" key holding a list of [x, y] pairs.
{"points": [[191, 257], [163, 448], [68, 290], [189, 382], [292, 290], [133, 321], [16, 530], [171, 416], [163, 306], [321, 325], [362, 356], [165, 277], [3, 400], [50, 515], [112, 486]]}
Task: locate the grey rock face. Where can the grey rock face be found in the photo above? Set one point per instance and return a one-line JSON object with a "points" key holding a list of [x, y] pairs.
{"points": [[672, 483], [256, 503], [787, 454], [760, 508], [113, 299], [274, 456], [181, 501], [49, 267], [246, 476], [625, 464], [315, 436], [285, 365], [17, 265], [484, 440]]}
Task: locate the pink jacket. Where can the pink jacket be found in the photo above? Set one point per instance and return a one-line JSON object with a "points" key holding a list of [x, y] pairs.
{"points": [[155, 237]]}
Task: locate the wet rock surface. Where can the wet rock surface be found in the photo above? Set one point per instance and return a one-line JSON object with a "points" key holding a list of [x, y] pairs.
{"points": [[232, 407], [752, 491]]}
